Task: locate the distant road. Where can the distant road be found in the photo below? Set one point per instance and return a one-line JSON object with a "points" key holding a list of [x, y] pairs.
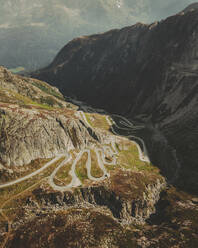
{"points": [[126, 125]]}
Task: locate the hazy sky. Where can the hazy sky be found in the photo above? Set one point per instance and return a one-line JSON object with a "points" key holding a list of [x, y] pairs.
{"points": [[116, 12], [163, 9]]}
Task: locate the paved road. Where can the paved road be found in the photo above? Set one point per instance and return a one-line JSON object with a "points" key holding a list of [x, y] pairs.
{"points": [[124, 124], [84, 118], [75, 180], [31, 174], [100, 153]]}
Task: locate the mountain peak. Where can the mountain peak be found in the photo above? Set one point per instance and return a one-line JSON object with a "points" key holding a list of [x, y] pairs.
{"points": [[191, 7]]}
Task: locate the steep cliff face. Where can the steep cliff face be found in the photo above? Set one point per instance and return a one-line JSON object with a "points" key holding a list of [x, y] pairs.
{"points": [[31, 33], [130, 196], [147, 72], [126, 198], [30, 134]]}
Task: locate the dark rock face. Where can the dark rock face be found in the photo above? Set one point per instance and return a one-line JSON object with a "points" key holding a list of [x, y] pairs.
{"points": [[146, 67], [191, 7], [142, 70], [139, 63]]}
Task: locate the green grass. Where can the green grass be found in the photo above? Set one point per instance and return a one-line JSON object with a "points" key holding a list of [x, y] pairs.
{"points": [[63, 174], [27, 169], [50, 101], [13, 97], [95, 169], [17, 69], [27, 101], [43, 106], [88, 119], [47, 89], [129, 159], [98, 121], [81, 170], [7, 193]]}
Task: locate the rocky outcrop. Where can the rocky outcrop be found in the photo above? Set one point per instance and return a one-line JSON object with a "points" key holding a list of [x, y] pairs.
{"points": [[21, 90], [131, 200], [36, 122], [73, 228], [28, 134]]}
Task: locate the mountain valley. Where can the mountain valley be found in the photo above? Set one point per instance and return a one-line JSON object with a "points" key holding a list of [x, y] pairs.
{"points": [[99, 148], [152, 72]]}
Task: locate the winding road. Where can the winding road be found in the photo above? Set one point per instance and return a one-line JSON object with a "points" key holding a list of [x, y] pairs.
{"points": [[75, 182], [128, 126], [82, 115], [101, 154]]}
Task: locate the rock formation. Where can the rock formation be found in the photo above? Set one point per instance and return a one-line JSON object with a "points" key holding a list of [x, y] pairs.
{"points": [[35, 123]]}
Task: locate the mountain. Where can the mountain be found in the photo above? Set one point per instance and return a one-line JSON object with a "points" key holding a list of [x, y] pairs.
{"points": [[144, 72], [191, 7], [67, 181], [31, 34], [55, 158], [71, 178]]}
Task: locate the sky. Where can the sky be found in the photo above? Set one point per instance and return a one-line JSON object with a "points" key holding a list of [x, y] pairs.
{"points": [[116, 12]]}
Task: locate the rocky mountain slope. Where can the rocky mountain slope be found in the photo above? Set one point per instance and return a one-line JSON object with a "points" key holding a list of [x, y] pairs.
{"points": [[56, 159], [36, 122], [191, 7], [42, 138], [145, 72]]}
